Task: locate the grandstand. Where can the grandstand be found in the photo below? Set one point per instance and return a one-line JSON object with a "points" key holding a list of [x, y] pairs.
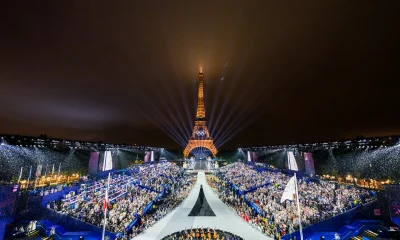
{"points": [[160, 198]]}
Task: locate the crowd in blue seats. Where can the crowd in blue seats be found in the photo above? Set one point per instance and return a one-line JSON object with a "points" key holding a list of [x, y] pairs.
{"points": [[174, 195], [244, 176], [137, 198], [318, 200], [124, 200]]}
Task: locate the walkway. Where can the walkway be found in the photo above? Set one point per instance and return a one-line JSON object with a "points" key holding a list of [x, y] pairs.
{"points": [[225, 219], [202, 165]]}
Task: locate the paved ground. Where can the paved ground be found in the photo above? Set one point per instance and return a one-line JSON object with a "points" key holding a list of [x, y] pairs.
{"points": [[225, 218]]}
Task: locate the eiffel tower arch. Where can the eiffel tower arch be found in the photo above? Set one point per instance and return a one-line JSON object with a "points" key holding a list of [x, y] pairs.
{"points": [[200, 138]]}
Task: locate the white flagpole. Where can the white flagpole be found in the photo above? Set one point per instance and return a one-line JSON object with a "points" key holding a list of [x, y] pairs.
{"points": [[105, 209], [34, 185], [20, 175], [58, 175], [298, 207]]}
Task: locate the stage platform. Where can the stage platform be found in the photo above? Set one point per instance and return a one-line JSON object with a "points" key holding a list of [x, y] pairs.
{"points": [[203, 171], [202, 165], [225, 219]]}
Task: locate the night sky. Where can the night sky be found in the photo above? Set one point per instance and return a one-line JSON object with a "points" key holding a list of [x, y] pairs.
{"points": [[275, 72]]}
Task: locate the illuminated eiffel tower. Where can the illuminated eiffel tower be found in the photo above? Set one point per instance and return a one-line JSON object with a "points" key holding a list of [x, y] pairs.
{"points": [[200, 139]]}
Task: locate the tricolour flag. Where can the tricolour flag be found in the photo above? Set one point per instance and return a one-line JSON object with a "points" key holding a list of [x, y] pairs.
{"points": [[290, 190], [105, 200], [106, 195], [105, 207]]}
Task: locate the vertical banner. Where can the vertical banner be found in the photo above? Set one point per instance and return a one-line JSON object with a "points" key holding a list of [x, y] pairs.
{"points": [[254, 157], [291, 160], [248, 156], [93, 162], [147, 157], [107, 163], [115, 158], [309, 163], [152, 156]]}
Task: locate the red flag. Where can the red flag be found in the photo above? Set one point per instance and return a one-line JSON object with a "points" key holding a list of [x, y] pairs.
{"points": [[105, 200], [106, 195]]}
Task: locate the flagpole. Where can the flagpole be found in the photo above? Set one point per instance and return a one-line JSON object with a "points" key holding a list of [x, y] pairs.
{"points": [[298, 207], [29, 178], [34, 184], [52, 175], [105, 208], [58, 175], [20, 175]]}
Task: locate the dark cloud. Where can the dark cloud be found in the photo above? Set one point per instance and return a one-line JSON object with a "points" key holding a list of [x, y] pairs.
{"points": [[126, 71]]}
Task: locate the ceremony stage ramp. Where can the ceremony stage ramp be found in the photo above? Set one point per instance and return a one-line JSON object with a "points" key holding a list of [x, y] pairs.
{"points": [[225, 219], [202, 165]]}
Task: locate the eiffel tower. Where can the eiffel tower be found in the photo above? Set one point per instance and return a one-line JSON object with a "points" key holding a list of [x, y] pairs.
{"points": [[200, 136]]}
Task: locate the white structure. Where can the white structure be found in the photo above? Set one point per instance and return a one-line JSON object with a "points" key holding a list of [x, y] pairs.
{"points": [[292, 165], [107, 163]]}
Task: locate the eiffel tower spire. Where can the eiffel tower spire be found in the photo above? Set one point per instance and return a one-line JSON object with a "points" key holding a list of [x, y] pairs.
{"points": [[200, 137], [201, 112]]}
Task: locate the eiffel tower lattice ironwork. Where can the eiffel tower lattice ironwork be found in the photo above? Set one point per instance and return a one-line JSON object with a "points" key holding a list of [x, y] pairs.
{"points": [[200, 137]]}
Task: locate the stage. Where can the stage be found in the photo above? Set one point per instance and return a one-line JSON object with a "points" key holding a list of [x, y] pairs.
{"points": [[178, 219], [202, 165]]}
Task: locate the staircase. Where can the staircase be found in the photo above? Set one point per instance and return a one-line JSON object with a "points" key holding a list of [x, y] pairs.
{"points": [[366, 234], [33, 233], [356, 238], [370, 234]]}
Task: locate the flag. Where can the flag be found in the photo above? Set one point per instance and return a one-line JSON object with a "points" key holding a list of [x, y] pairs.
{"points": [[105, 207], [290, 190], [106, 195], [105, 200]]}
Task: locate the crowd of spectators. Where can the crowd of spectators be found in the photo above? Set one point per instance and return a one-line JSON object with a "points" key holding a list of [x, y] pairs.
{"points": [[244, 176], [318, 200], [157, 176], [125, 199], [128, 196], [175, 195]]}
